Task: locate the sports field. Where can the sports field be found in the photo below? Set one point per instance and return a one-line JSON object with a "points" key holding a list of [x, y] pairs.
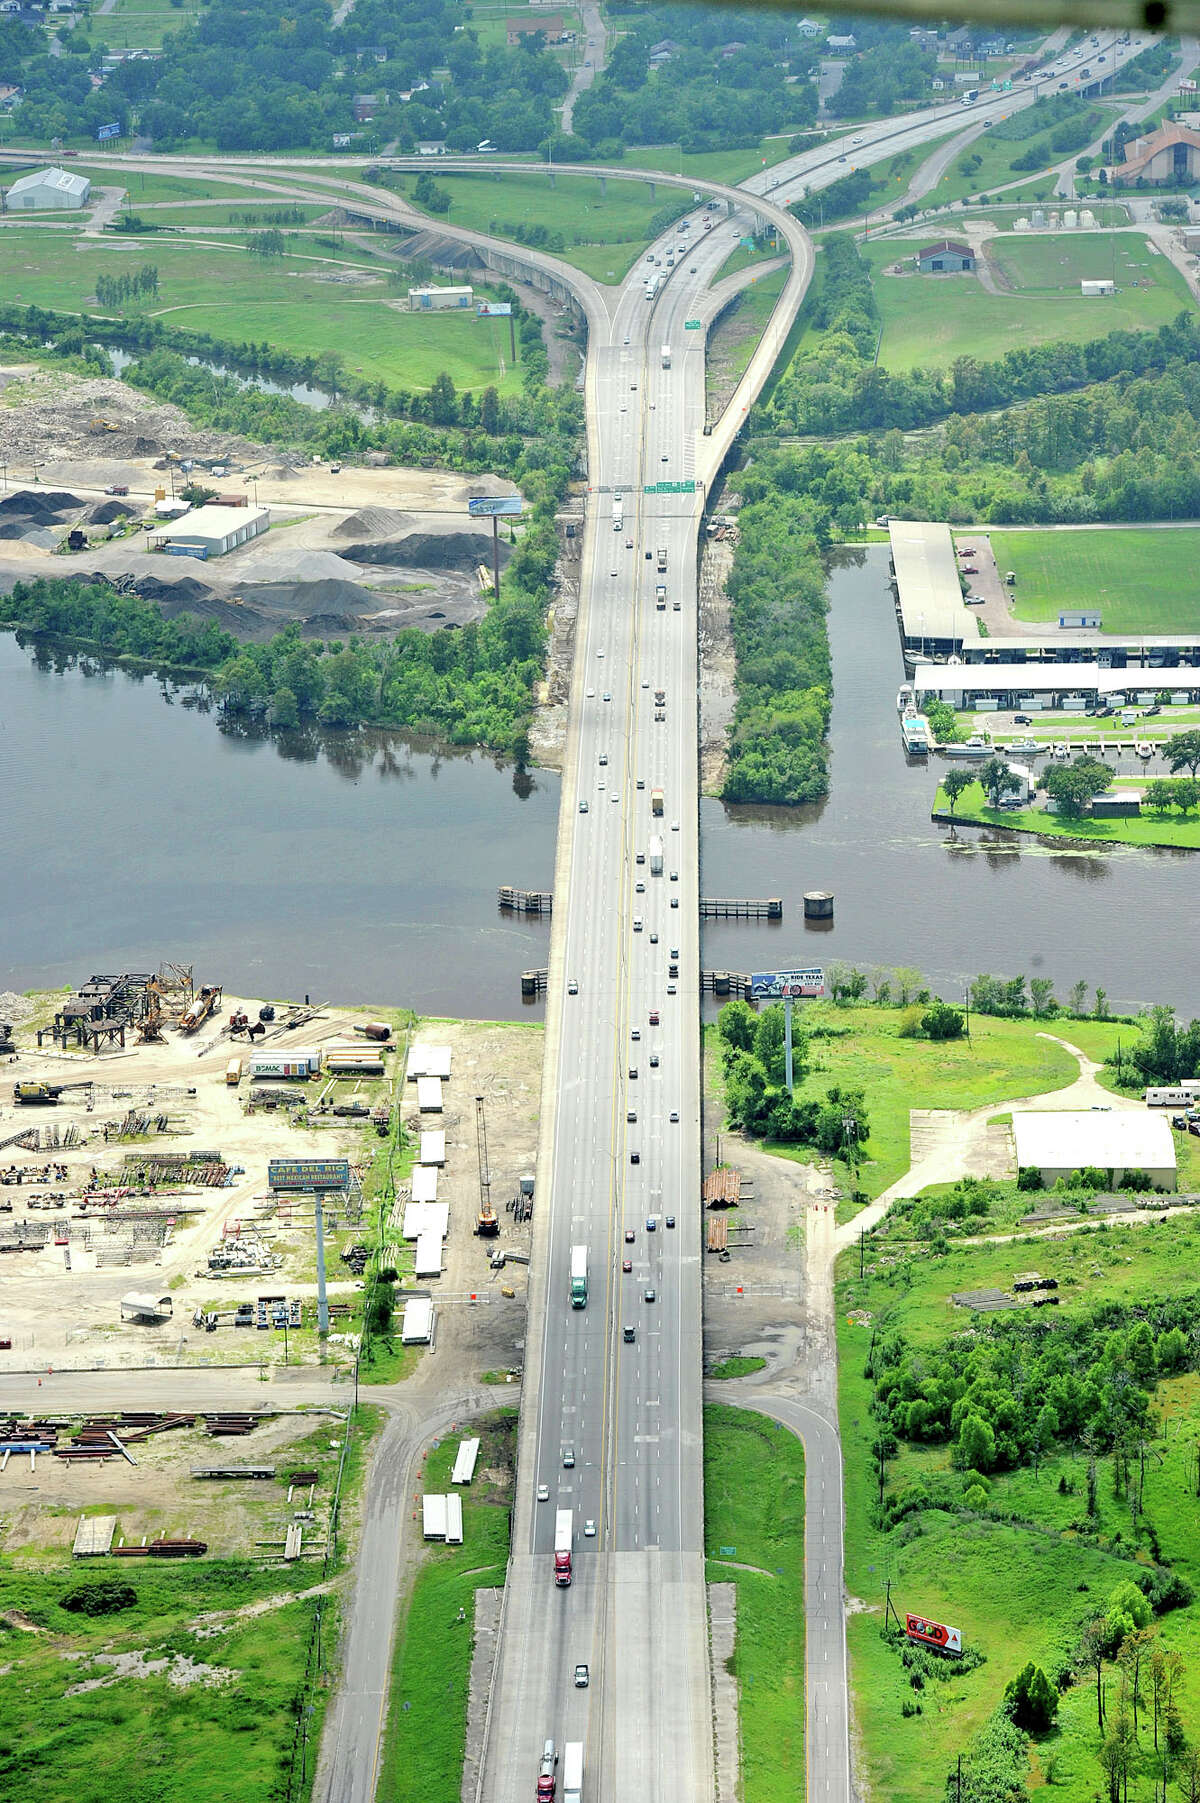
{"points": [[1142, 579], [930, 320]]}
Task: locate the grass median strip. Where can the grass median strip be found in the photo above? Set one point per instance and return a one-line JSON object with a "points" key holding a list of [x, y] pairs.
{"points": [[426, 1732], [754, 1517]]}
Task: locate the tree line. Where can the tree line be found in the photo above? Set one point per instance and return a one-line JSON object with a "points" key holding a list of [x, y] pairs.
{"points": [[471, 687], [135, 284]]}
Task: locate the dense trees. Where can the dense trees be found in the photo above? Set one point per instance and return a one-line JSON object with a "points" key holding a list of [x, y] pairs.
{"points": [[752, 1063], [1072, 786], [1000, 1396], [776, 588], [722, 85], [472, 687]]}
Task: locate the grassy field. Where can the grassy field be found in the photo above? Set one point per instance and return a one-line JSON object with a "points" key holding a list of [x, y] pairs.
{"points": [[740, 329], [730, 166], [605, 226], [965, 320], [1053, 725], [141, 24], [1017, 1575], [1145, 829], [249, 213], [995, 169], [1002, 1059], [754, 1515], [1141, 580], [289, 301], [431, 1662], [219, 1736], [141, 185]]}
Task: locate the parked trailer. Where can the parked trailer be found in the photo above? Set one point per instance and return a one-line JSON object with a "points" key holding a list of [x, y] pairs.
{"points": [[1178, 1097]]}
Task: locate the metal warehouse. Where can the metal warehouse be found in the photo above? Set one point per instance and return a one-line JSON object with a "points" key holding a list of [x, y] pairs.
{"points": [[47, 188], [1116, 1141], [934, 619], [212, 531]]}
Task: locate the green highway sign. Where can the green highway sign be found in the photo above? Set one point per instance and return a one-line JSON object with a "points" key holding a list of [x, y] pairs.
{"points": [[669, 488], [692, 325]]}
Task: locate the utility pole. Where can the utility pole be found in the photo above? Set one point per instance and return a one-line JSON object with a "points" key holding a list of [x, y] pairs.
{"points": [[862, 1250], [787, 1043], [496, 556], [322, 1298]]}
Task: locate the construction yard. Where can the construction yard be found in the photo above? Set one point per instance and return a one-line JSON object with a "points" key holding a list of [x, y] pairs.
{"points": [[348, 551], [157, 1199]]}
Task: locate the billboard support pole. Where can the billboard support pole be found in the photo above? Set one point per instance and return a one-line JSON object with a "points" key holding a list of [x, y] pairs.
{"points": [[787, 1045], [322, 1298]]}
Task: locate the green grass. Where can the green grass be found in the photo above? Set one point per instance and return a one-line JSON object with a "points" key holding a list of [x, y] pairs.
{"points": [[140, 24], [742, 258], [1022, 1588], [229, 1742], [1144, 829], [431, 1663], [141, 185], [1141, 580], [754, 1503], [742, 326], [737, 1367], [924, 328], [236, 212], [728, 166], [284, 301], [605, 226], [1002, 1060], [1052, 724], [995, 170]]}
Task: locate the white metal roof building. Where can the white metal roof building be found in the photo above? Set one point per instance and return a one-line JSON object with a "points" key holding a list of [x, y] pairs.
{"points": [[142, 1305], [464, 1462], [425, 1183], [433, 1146], [933, 615], [418, 1322], [46, 188], [428, 1061], [214, 530], [427, 1259], [421, 1218], [1043, 685], [1116, 1140]]}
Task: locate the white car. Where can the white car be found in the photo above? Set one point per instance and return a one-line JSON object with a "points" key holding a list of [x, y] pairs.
{"points": [[543, 1493], [589, 1529]]}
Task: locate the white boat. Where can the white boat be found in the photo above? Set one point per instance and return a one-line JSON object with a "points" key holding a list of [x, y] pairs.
{"points": [[914, 730], [1143, 750], [974, 747], [1061, 753], [1024, 744], [906, 699]]}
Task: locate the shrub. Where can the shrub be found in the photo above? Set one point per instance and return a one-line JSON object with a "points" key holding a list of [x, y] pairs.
{"points": [[1031, 1699], [1029, 1178], [107, 1596]]}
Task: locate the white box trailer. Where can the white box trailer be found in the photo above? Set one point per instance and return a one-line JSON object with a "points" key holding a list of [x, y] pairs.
{"points": [[427, 1259], [573, 1772], [464, 1461], [429, 1095]]}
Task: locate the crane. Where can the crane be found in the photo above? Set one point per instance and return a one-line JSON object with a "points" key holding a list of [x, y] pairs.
{"points": [[486, 1226]]}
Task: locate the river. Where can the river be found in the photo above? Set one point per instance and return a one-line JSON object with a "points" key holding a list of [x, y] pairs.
{"points": [[364, 867], [352, 867], [949, 901]]}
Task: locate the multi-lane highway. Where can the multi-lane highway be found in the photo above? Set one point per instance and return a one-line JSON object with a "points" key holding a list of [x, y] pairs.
{"points": [[615, 1388]]}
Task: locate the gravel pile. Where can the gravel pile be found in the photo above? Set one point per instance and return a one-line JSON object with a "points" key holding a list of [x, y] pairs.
{"points": [[373, 522], [56, 409]]}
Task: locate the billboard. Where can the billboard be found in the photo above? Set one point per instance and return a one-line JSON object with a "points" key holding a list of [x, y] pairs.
{"points": [[308, 1173], [933, 1633], [494, 310], [488, 506], [773, 985], [107, 131]]}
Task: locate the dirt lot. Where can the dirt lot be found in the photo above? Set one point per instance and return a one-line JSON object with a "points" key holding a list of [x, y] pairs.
{"points": [[359, 550], [40, 1509], [62, 1303]]}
